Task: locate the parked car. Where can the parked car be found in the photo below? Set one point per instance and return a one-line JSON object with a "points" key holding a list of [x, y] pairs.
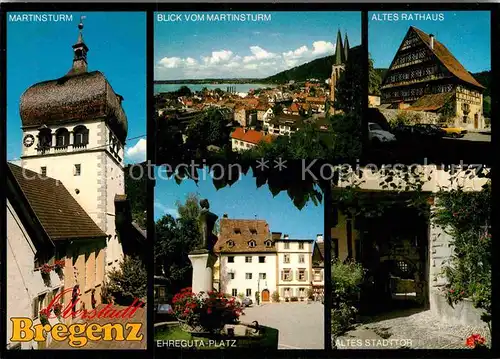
{"points": [[455, 132], [419, 132], [246, 302], [429, 130], [376, 134]]}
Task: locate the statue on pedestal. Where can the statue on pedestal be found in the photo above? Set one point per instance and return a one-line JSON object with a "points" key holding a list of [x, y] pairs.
{"points": [[207, 224]]}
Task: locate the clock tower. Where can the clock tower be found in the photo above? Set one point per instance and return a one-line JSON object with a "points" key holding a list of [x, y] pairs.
{"points": [[74, 130]]}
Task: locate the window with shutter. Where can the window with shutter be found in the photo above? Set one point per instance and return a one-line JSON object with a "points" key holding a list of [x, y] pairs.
{"points": [[305, 275], [282, 275]]}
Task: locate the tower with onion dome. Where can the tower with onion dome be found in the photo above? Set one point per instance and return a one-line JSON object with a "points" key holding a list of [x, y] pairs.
{"points": [[74, 130]]}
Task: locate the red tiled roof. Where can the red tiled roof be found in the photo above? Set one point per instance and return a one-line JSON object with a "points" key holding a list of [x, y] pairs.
{"points": [[447, 59], [250, 136], [294, 107], [316, 100], [241, 232], [58, 212]]}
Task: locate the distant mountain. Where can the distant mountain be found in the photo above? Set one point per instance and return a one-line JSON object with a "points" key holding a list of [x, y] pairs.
{"points": [[484, 78], [316, 69]]}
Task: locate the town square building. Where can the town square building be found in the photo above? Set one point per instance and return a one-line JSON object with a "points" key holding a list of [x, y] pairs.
{"points": [[252, 259]]}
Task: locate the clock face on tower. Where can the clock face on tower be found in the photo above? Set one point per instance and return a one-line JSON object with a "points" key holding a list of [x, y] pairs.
{"points": [[28, 140]]}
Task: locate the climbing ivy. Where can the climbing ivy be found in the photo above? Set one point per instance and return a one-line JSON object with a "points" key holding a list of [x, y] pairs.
{"points": [[466, 216]]}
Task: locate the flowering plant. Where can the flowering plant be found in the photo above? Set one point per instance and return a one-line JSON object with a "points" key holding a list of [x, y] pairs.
{"points": [[44, 316], [475, 341], [46, 269], [211, 310], [57, 309], [59, 264]]}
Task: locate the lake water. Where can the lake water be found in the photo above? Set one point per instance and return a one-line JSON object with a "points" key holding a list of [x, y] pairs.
{"points": [[198, 87]]}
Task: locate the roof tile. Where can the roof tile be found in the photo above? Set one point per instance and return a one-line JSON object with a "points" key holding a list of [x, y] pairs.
{"points": [[59, 213]]}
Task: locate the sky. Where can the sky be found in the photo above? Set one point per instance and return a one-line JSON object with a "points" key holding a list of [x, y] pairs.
{"points": [[247, 49], [40, 51], [465, 33], [243, 200]]}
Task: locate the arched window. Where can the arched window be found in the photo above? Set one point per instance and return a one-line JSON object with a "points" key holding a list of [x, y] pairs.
{"points": [[62, 137], [44, 138], [81, 136]]}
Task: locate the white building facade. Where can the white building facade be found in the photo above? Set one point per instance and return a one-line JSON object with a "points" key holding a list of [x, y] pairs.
{"points": [[294, 258], [247, 274]]}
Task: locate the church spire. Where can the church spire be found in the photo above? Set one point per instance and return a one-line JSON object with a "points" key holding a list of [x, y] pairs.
{"points": [[346, 47], [80, 52], [339, 50]]}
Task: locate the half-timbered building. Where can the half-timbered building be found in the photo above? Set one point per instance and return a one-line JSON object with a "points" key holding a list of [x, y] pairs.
{"points": [[425, 76]]}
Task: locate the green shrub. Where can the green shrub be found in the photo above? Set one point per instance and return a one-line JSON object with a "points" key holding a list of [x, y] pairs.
{"points": [[466, 216], [405, 118], [310, 293], [275, 296], [129, 281], [343, 318], [346, 280]]}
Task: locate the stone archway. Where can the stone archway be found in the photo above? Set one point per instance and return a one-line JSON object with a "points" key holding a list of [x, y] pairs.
{"points": [[265, 295]]}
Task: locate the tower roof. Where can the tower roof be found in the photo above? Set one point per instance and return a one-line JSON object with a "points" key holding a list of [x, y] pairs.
{"points": [[77, 96], [339, 50], [346, 47]]}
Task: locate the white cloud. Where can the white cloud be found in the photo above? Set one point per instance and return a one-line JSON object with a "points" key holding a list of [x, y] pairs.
{"points": [[292, 57], [166, 210], [322, 48], [226, 63], [176, 62], [258, 53], [218, 57], [137, 153]]}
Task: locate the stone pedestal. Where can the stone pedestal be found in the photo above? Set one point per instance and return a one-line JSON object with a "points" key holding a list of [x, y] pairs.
{"points": [[202, 262]]}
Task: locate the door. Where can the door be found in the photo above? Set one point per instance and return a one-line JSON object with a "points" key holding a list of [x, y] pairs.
{"points": [[476, 121], [265, 295]]}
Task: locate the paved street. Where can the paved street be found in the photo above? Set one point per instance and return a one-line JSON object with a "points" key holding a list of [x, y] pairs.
{"points": [[420, 330], [474, 136], [300, 324]]}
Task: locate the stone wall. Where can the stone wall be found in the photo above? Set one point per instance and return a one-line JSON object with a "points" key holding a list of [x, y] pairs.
{"points": [[440, 251], [424, 117]]}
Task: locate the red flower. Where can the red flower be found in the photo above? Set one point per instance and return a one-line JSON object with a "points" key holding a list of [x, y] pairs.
{"points": [[475, 340], [209, 311]]}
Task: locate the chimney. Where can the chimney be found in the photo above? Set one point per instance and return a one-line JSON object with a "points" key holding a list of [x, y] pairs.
{"points": [[285, 236], [319, 238], [432, 41], [224, 215]]}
